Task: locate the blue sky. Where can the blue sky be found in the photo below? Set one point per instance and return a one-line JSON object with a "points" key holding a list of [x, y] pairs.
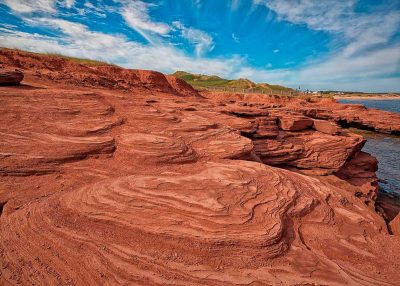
{"points": [[315, 44]]}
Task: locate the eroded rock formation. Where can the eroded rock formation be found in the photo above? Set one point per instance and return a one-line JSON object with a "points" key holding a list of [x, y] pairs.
{"points": [[10, 77], [136, 178]]}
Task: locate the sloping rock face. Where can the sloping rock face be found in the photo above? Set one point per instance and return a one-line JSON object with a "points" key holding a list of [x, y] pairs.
{"points": [[156, 185], [395, 225], [59, 70], [360, 171]]}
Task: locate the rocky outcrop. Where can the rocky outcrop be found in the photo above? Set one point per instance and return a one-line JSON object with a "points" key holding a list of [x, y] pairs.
{"points": [[127, 182], [359, 171], [353, 115], [61, 70], [50, 131], [309, 151], [10, 77]]}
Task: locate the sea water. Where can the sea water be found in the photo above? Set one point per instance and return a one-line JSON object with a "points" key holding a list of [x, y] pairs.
{"points": [[384, 147]]}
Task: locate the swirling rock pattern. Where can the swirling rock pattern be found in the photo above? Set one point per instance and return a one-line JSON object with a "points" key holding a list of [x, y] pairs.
{"points": [[157, 147], [105, 186], [196, 227]]}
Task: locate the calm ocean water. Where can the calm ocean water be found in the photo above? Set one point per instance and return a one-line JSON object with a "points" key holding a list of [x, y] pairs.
{"points": [[388, 105], [385, 148]]}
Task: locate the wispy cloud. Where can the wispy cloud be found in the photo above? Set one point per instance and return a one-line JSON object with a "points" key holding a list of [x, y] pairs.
{"points": [[29, 6], [339, 18], [98, 10], [136, 15], [202, 41], [78, 41], [68, 3], [364, 53], [370, 71]]}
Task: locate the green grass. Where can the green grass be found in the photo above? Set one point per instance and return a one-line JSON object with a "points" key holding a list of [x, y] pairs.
{"points": [[200, 81], [82, 61]]}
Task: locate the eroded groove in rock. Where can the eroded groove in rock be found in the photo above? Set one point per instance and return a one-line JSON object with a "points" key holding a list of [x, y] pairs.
{"points": [[158, 147]]}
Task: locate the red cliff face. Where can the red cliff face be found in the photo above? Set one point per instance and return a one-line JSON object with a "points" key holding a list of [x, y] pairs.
{"points": [[114, 176]]}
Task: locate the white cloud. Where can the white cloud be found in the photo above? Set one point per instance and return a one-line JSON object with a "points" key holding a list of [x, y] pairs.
{"points": [[202, 41], [338, 72], [366, 61], [136, 15], [78, 41], [339, 18], [68, 3], [275, 51], [318, 15], [363, 55], [29, 6], [98, 10]]}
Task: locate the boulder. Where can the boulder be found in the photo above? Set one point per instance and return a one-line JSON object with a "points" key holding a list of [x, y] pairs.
{"points": [[11, 77]]}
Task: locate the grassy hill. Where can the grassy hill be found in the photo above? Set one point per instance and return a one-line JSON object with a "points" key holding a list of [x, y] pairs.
{"points": [[200, 81], [82, 61]]}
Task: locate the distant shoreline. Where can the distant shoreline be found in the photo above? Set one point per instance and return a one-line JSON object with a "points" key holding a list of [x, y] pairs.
{"points": [[377, 97]]}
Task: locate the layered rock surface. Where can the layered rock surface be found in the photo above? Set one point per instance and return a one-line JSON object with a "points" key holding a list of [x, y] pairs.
{"points": [[154, 184]]}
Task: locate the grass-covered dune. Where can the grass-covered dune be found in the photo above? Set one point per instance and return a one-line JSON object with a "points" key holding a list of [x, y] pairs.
{"points": [[82, 61], [200, 81]]}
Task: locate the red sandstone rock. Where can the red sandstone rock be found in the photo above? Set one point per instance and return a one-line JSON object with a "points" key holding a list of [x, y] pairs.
{"points": [[354, 116], [395, 225], [267, 127], [360, 171], [126, 182], [294, 123], [10, 77], [326, 127], [309, 150], [181, 86]]}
